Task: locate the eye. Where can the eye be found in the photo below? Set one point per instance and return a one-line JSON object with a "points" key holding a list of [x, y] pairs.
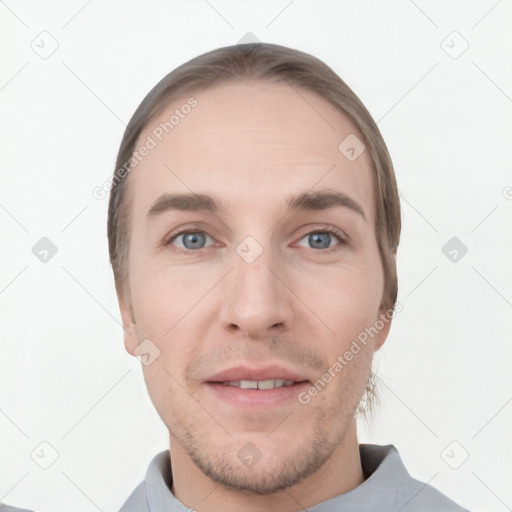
{"points": [[322, 237], [189, 240], [192, 240]]}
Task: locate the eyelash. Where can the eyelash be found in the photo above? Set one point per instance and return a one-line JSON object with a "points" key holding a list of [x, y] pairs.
{"points": [[319, 229]]}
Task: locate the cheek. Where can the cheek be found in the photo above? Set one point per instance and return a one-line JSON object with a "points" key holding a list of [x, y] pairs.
{"points": [[346, 299], [164, 295], [349, 308], [169, 307]]}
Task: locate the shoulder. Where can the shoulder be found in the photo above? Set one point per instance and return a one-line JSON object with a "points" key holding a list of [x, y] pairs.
{"points": [[412, 495], [148, 494], [137, 501], [7, 508], [416, 496]]}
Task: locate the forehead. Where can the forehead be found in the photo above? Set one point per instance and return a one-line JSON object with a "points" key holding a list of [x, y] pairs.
{"points": [[250, 144]]}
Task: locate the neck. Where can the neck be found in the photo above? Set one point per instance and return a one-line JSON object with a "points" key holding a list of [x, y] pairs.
{"points": [[339, 475]]}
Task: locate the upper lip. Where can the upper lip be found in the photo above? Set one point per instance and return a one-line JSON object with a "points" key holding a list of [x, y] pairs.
{"points": [[255, 374]]}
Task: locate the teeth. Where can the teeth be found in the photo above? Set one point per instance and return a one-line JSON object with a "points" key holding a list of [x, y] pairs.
{"points": [[270, 384], [249, 384], [259, 384]]}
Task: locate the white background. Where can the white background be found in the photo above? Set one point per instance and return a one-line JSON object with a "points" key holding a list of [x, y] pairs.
{"points": [[65, 377]]}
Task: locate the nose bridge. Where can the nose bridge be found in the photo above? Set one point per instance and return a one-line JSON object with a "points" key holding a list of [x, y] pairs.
{"points": [[255, 297]]}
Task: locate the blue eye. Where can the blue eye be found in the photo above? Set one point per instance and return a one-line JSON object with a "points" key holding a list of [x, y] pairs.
{"points": [[193, 240], [190, 240], [321, 238]]}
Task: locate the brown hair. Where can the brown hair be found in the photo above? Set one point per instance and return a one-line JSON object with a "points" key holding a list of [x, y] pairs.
{"points": [[269, 63]]}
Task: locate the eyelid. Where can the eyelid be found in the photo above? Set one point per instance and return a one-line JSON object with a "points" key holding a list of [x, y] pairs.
{"points": [[195, 228], [323, 228], [167, 241]]}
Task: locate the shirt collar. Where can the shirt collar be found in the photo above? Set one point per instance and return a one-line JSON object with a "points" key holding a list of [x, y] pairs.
{"points": [[383, 470], [381, 465]]}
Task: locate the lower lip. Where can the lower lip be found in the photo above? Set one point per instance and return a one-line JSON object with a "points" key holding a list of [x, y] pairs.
{"points": [[251, 398]]}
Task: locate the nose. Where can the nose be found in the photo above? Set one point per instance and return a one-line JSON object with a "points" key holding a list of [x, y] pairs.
{"points": [[257, 300]]}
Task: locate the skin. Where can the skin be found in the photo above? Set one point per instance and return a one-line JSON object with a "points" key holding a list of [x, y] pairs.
{"points": [[251, 145]]}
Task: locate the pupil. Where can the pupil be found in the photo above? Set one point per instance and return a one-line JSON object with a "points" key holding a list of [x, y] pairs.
{"points": [[317, 242], [193, 240]]}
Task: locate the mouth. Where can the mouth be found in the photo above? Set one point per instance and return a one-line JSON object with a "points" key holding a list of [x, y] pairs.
{"points": [[270, 374], [259, 384], [253, 388]]}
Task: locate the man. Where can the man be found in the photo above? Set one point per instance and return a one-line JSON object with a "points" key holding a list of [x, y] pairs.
{"points": [[253, 226]]}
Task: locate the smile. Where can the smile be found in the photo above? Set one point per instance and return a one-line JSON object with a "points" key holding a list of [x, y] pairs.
{"points": [[259, 384]]}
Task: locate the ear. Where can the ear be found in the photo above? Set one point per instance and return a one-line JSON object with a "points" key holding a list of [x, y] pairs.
{"points": [[386, 318], [382, 335], [129, 325]]}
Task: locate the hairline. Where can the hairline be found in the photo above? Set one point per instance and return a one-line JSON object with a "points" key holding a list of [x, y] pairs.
{"points": [[286, 64]]}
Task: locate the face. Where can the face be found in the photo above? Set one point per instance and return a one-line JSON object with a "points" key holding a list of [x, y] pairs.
{"points": [[257, 290]]}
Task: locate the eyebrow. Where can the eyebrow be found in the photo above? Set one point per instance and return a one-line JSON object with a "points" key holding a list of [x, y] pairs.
{"points": [[324, 201], [306, 201], [184, 202]]}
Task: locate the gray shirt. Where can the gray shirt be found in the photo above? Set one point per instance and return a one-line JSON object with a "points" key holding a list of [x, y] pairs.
{"points": [[388, 487], [7, 508]]}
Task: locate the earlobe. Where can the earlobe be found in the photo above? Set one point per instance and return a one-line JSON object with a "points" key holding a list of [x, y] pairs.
{"points": [[382, 335], [129, 325], [130, 338]]}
